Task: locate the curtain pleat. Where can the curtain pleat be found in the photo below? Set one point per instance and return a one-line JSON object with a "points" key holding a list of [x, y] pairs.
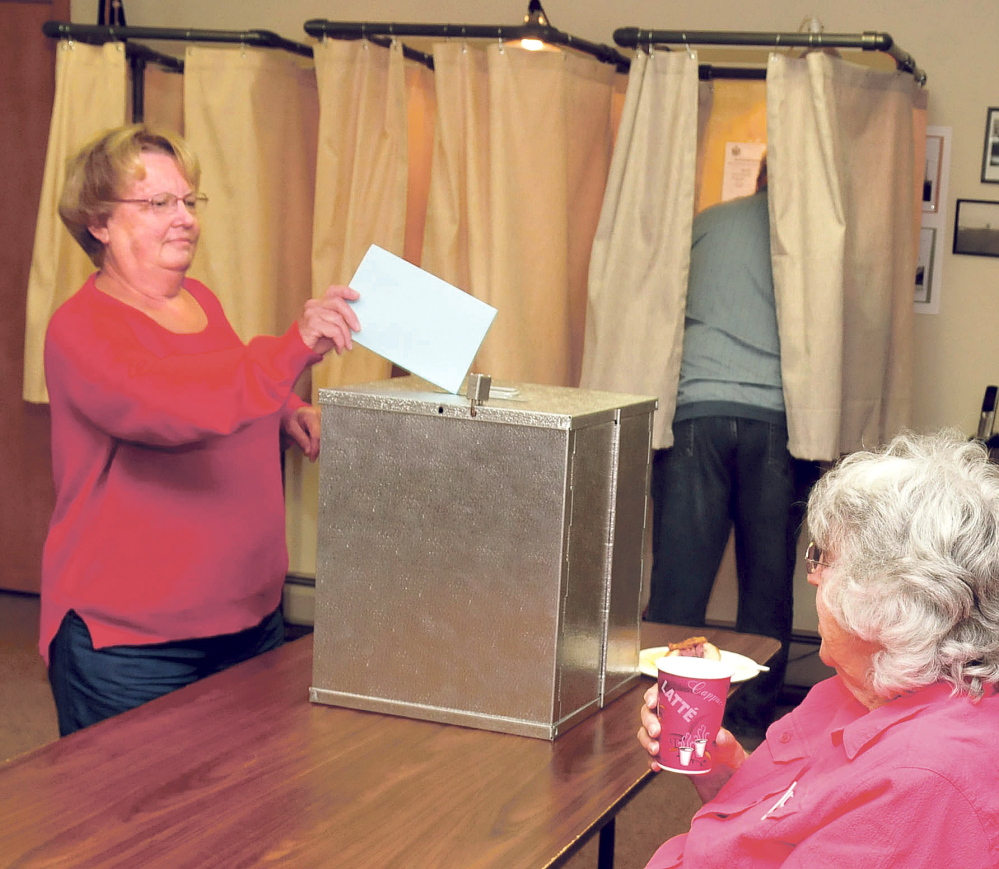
{"points": [[163, 93], [362, 177], [91, 95], [250, 116], [842, 215], [521, 157], [641, 252], [421, 110]]}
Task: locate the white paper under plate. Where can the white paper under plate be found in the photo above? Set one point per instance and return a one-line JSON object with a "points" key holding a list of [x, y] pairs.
{"points": [[745, 668]]}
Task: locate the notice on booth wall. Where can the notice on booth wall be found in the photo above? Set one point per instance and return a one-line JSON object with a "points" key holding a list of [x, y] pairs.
{"points": [[742, 165], [416, 320]]}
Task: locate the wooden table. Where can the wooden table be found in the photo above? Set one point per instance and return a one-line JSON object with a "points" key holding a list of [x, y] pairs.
{"points": [[242, 770]]}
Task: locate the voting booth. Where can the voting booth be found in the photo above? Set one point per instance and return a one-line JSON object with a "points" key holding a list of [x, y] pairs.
{"points": [[480, 559]]}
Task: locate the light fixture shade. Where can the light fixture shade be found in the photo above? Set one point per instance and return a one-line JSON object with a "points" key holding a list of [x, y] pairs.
{"points": [[536, 14]]}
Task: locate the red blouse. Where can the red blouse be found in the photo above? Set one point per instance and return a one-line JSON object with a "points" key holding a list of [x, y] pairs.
{"points": [[169, 516]]}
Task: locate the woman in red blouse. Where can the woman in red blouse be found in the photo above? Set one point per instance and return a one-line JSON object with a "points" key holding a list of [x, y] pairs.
{"points": [[165, 556]]}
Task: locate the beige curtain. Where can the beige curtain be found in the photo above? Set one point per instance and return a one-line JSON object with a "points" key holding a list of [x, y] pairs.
{"points": [[520, 164], [250, 116], [91, 96], [362, 176], [641, 253], [842, 202], [375, 124], [163, 93]]}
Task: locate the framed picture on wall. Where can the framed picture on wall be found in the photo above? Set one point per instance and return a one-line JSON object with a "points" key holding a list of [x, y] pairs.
{"points": [[924, 265], [931, 174], [976, 227], [990, 155]]}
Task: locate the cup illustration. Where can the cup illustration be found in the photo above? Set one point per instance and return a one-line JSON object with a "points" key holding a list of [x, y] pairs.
{"points": [[692, 694]]}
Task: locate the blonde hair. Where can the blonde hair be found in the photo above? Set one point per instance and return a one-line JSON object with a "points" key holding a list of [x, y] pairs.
{"points": [[102, 169]]}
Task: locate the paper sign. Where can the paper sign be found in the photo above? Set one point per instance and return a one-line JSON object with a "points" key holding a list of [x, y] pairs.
{"points": [[416, 320], [742, 165]]}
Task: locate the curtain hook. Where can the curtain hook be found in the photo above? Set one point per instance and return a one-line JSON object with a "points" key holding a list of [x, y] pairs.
{"points": [[644, 44], [690, 51]]}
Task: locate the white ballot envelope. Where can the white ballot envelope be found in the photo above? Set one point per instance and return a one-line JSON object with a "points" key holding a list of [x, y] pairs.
{"points": [[416, 320]]}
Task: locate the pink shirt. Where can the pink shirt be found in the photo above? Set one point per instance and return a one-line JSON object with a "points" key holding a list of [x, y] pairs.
{"points": [[911, 785], [169, 515]]}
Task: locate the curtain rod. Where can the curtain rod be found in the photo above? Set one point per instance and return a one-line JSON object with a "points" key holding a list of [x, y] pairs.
{"points": [[137, 53], [319, 27], [256, 38], [633, 37], [707, 72], [99, 33]]}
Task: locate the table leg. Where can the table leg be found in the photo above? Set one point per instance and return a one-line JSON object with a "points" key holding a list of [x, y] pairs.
{"points": [[605, 846]]}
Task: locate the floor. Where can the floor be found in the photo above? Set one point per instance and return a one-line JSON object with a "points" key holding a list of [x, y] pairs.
{"points": [[27, 715], [27, 720]]}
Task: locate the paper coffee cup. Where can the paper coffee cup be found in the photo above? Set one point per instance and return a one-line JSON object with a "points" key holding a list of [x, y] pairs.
{"points": [[691, 704]]}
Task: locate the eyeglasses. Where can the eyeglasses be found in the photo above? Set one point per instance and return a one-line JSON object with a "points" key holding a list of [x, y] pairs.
{"points": [[813, 558], [164, 203]]}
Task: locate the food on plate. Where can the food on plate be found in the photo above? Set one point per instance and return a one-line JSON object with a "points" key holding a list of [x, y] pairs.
{"points": [[695, 647]]}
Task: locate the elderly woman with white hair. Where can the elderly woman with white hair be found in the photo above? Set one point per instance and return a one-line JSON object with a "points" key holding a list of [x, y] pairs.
{"points": [[890, 763]]}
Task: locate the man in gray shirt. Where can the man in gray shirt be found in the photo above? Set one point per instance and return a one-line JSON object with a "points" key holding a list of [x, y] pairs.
{"points": [[729, 463]]}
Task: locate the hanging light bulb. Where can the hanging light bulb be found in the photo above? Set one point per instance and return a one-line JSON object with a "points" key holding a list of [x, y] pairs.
{"points": [[536, 18]]}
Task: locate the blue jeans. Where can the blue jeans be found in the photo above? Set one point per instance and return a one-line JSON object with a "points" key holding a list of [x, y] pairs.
{"points": [[89, 684], [720, 473]]}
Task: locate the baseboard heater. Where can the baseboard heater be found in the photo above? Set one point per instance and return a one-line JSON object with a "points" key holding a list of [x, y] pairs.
{"points": [[299, 599]]}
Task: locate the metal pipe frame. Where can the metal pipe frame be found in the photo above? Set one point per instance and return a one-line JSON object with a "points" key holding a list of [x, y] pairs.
{"points": [[99, 34], [636, 37], [319, 28]]}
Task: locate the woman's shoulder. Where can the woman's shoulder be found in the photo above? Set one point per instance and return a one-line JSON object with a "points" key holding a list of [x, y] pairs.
{"points": [[935, 729], [80, 304]]}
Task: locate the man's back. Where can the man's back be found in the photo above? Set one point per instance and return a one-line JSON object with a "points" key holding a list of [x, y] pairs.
{"points": [[731, 350]]}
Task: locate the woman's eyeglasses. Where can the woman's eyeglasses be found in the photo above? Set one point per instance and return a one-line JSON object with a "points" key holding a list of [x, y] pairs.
{"points": [[813, 558], [164, 203]]}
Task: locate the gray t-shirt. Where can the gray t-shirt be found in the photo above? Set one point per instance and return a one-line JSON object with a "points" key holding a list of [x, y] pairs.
{"points": [[731, 349]]}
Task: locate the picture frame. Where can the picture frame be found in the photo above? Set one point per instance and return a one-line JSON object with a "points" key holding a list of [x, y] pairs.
{"points": [[976, 227], [932, 173], [990, 151], [934, 236], [924, 265]]}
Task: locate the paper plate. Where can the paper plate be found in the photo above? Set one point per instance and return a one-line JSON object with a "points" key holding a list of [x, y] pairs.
{"points": [[745, 668]]}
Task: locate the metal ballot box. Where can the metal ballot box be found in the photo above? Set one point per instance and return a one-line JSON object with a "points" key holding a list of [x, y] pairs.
{"points": [[480, 564]]}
